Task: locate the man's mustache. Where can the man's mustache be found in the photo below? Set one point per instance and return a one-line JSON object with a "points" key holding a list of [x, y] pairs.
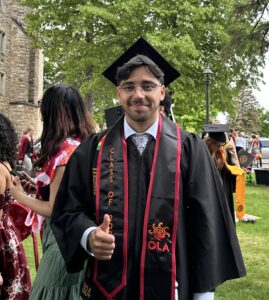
{"points": [[133, 102]]}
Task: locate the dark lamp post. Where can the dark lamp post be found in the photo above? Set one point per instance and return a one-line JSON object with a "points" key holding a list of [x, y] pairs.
{"points": [[207, 72]]}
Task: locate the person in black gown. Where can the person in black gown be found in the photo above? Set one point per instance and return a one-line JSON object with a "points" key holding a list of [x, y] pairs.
{"points": [[153, 223], [223, 153]]}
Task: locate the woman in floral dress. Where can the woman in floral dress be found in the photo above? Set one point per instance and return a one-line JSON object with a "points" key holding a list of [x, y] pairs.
{"points": [[14, 270]]}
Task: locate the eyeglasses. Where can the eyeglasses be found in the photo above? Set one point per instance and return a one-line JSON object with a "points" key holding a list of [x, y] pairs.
{"points": [[146, 88]]}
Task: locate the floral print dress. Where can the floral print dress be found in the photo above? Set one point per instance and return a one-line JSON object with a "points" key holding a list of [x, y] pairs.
{"points": [[13, 264]]}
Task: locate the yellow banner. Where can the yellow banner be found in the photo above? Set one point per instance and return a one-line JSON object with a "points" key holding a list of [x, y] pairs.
{"points": [[240, 200]]}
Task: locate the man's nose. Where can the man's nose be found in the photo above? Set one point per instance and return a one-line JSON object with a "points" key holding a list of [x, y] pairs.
{"points": [[139, 92]]}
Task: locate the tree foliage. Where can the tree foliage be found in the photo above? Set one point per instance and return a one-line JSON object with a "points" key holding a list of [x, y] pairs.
{"points": [[81, 38], [248, 112], [264, 120]]}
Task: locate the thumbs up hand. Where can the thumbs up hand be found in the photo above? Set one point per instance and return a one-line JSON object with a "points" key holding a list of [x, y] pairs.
{"points": [[102, 243], [106, 222]]}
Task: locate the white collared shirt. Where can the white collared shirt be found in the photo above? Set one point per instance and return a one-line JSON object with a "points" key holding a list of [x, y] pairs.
{"points": [[128, 130]]}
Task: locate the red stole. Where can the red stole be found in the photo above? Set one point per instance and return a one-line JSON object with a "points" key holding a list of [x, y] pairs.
{"points": [[158, 261]]}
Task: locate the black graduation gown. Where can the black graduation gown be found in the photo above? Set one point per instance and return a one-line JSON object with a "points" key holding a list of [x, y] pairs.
{"points": [[207, 251], [229, 182]]}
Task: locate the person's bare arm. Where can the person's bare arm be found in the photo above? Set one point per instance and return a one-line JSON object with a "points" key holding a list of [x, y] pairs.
{"points": [[43, 208], [3, 185], [1, 280]]}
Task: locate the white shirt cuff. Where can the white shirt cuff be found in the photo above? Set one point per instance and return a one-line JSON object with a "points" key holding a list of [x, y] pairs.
{"points": [[203, 296], [84, 239]]}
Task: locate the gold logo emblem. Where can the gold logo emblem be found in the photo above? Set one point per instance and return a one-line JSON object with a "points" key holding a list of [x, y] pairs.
{"points": [[159, 231], [243, 159], [240, 208]]}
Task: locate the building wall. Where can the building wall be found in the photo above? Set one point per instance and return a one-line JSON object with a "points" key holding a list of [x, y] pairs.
{"points": [[23, 69]]}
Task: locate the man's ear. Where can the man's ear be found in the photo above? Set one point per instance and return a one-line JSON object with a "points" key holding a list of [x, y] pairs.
{"points": [[118, 94], [161, 108], [163, 91]]}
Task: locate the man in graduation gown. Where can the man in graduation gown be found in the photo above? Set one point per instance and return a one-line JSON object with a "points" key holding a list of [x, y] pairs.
{"points": [[153, 223]]}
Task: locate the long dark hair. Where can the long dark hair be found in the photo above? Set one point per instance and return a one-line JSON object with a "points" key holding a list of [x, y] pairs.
{"points": [[8, 141], [64, 115]]}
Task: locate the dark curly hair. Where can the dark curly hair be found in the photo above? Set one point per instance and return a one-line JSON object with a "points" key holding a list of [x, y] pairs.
{"points": [[8, 141], [64, 115]]}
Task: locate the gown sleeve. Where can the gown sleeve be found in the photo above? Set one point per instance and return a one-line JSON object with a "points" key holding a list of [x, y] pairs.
{"points": [[73, 210], [213, 247]]}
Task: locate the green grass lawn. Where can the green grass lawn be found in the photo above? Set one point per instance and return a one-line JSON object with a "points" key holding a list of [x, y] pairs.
{"points": [[29, 250], [254, 241]]}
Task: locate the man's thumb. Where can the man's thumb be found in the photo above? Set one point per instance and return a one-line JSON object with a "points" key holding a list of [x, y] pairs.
{"points": [[105, 225]]}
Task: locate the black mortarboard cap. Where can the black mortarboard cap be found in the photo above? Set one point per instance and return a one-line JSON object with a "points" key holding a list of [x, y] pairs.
{"points": [[113, 114], [217, 131], [141, 46]]}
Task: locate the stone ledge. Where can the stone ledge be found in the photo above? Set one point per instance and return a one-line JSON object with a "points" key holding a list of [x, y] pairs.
{"points": [[23, 103]]}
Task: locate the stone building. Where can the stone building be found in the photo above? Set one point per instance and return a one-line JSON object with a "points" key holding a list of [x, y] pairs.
{"points": [[21, 69]]}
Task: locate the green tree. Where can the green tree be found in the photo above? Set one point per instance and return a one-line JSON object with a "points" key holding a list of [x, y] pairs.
{"points": [[52, 73], [251, 33], [264, 119], [84, 37], [247, 116]]}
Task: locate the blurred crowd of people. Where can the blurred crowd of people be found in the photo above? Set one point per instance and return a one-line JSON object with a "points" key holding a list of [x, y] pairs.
{"points": [[252, 144]]}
